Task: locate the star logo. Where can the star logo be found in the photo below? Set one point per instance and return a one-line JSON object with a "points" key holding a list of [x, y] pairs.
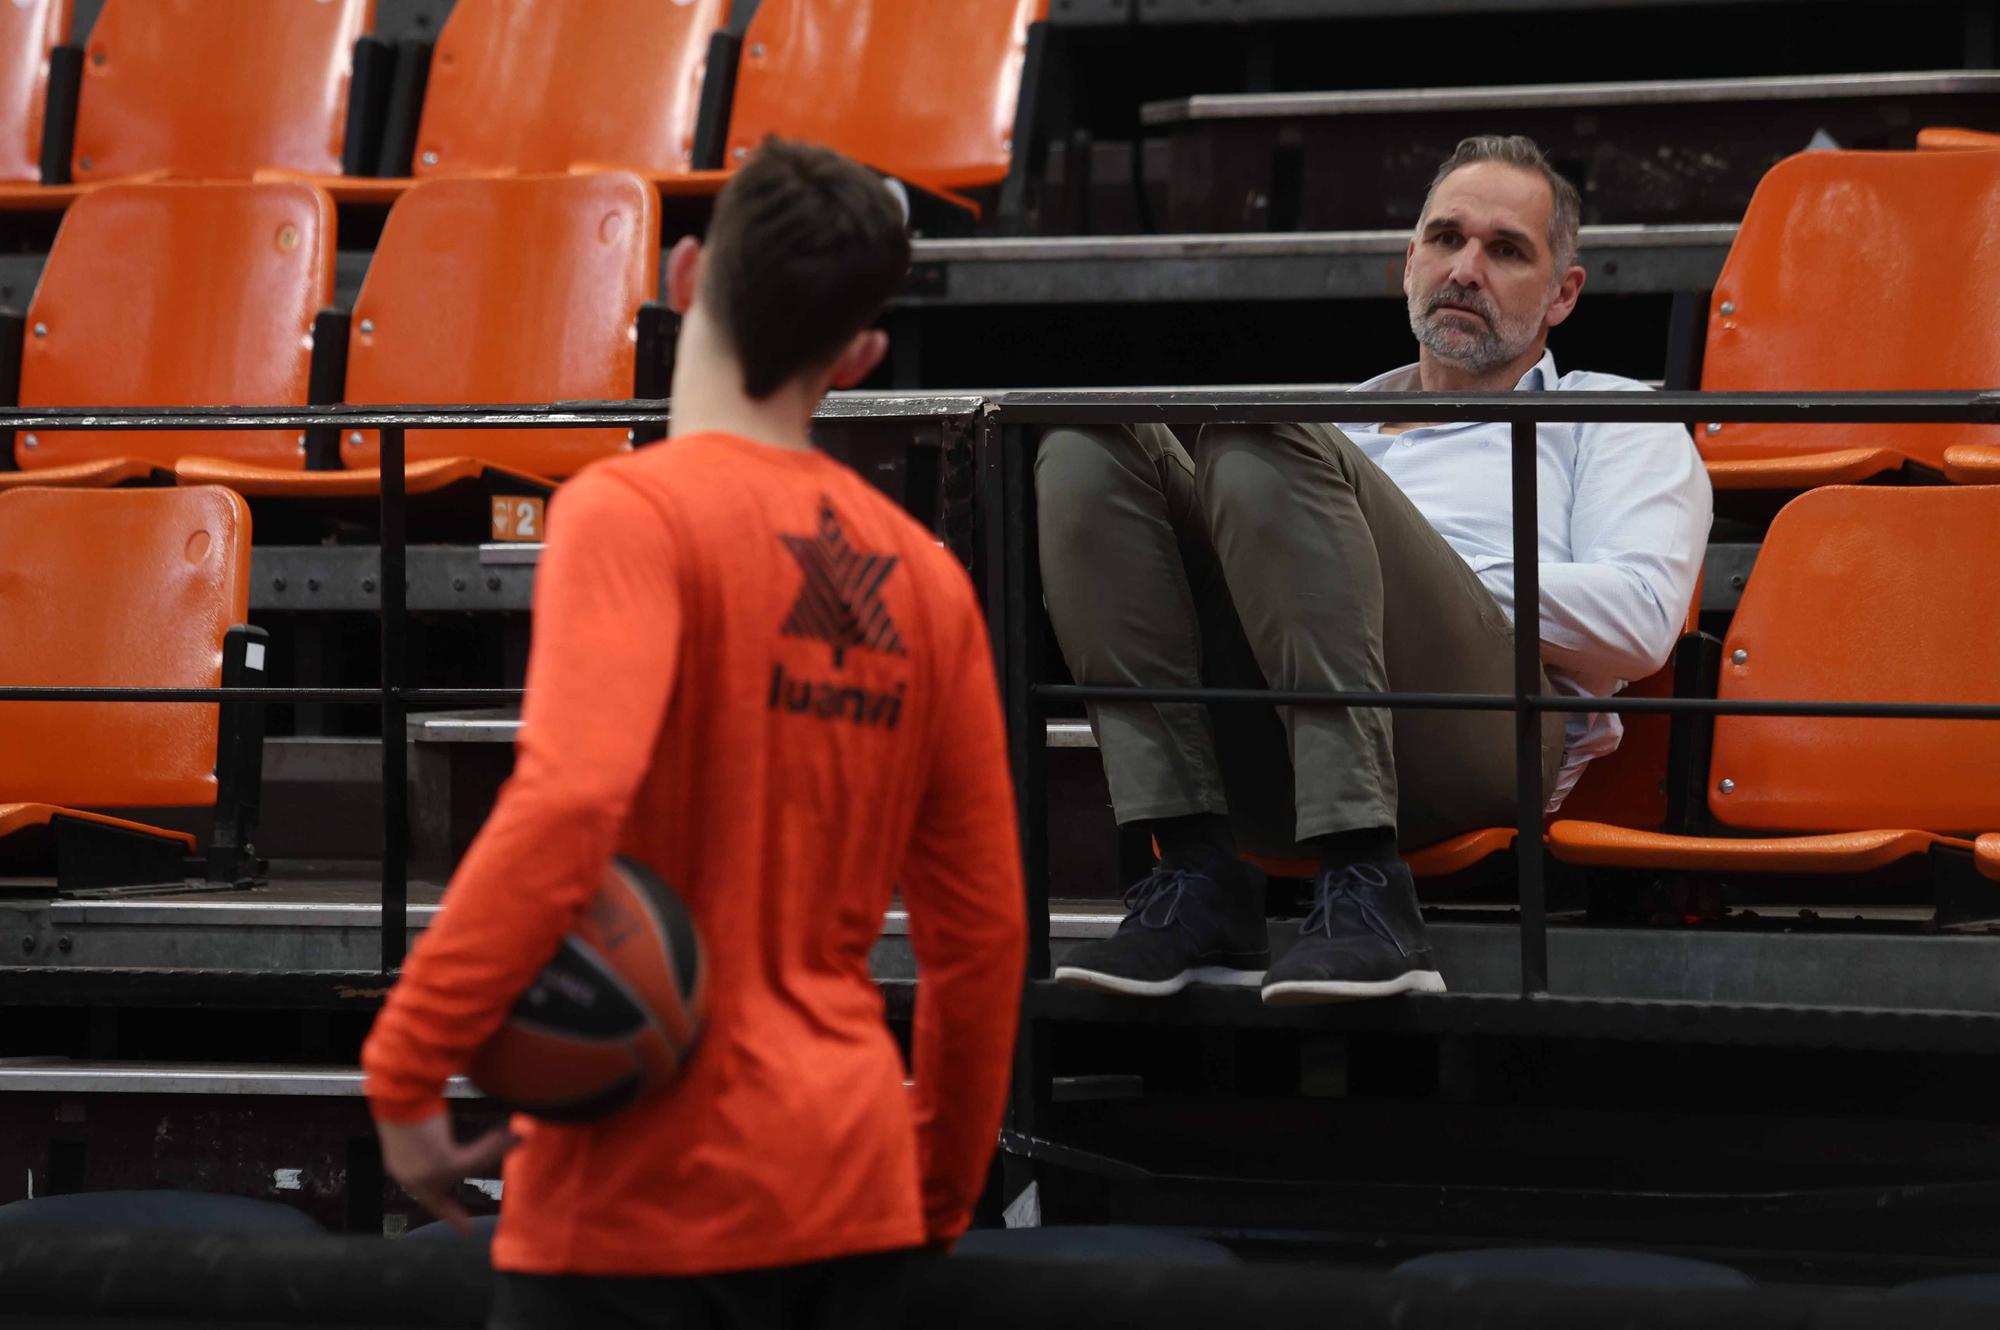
{"points": [[841, 601]]}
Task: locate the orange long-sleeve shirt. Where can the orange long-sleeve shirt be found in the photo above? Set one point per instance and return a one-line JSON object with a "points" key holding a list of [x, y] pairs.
{"points": [[756, 675]]}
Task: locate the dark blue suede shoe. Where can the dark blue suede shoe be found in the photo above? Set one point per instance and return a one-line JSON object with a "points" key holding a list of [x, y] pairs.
{"points": [[1184, 927], [1364, 939]]}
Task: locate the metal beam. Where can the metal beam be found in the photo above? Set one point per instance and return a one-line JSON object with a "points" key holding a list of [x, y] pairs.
{"points": [[1323, 265], [1088, 13]]}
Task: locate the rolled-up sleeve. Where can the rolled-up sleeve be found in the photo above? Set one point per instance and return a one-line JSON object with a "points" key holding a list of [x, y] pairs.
{"points": [[1639, 520]]}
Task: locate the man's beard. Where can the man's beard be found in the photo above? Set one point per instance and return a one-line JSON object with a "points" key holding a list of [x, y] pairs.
{"points": [[1473, 348]]}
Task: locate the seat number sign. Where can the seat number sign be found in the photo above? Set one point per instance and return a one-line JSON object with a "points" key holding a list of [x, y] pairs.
{"points": [[516, 517]]}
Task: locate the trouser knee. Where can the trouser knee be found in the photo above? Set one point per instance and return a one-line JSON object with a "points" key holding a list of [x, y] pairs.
{"points": [[1080, 473]]}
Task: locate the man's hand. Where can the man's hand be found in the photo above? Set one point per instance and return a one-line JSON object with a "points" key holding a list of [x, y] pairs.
{"points": [[429, 1164]]}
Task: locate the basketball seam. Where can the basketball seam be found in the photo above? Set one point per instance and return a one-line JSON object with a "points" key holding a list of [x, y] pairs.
{"points": [[644, 1008], [661, 934]]}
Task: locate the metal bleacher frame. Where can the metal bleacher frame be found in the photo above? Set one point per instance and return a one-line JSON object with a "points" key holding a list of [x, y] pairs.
{"points": [[1111, 13], [1851, 992]]}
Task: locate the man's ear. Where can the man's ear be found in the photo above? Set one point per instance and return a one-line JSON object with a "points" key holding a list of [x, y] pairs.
{"points": [[1409, 257], [860, 358], [1567, 292], [683, 274]]}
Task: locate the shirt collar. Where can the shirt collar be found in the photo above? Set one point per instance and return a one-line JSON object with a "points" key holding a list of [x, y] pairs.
{"points": [[1540, 376]]}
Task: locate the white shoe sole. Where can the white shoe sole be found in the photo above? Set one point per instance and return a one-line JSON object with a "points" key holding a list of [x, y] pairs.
{"points": [[1211, 976], [1305, 992]]}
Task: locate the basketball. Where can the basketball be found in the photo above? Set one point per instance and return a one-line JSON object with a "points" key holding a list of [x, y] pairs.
{"points": [[611, 1020]]}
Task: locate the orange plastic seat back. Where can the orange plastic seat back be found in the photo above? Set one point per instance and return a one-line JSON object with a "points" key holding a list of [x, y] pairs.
{"points": [[116, 588], [1944, 138], [216, 89], [1860, 271], [925, 91], [1627, 787], [178, 295], [1866, 594], [519, 289], [526, 85], [28, 28]]}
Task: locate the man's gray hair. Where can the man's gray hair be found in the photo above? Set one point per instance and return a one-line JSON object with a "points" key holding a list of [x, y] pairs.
{"points": [[1522, 151]]}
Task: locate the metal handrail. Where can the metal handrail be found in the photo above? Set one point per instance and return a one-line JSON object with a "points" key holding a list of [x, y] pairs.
{"points": [[1010, 561]]}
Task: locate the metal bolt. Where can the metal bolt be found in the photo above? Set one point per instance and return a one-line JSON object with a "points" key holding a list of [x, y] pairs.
{"points": [[631, 435], [1727, 786], [84, 163], [97, 56], [1736, 581], [312, 584], [1728, 307], [41, 330], [1738, 656], [458, 584], [368, 325], [277, 584], [354, 437], [65, 944], [493, 583], [28, 945], [756, 50], [1713, 427], [31, 441], [302, 443], [430, 159], [368, 585], [740, 153]]}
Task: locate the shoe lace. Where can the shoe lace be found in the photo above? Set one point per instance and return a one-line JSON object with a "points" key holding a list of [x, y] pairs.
{"points": [[1333, 888], [1145, 898]]}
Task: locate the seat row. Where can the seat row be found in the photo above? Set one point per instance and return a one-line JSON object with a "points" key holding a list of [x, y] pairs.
{"points": [[516, 289], [1871, 593], [227, 89], [1851, 271]]}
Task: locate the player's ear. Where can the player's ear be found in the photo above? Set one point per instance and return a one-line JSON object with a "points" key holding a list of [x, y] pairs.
{"points": [[683, 274], [860, 358]]}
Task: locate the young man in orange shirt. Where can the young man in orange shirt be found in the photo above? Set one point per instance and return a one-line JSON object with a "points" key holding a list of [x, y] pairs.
{"points": [[698, 605]]}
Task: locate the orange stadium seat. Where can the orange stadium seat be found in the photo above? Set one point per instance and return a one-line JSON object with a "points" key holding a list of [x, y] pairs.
{"points": [[29, 30], [133, 588], [1913, 303], [1859, 593], [174, 295], [216, 89], [519, 86], [511, 289], [925, 93], [1946, 139]]}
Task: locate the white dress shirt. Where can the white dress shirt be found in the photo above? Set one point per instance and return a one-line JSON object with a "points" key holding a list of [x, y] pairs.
{"points": [[1623, 525]]}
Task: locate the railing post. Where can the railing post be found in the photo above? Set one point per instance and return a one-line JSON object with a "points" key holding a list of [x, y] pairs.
{"points": [[395, 757], [1528, 795]]}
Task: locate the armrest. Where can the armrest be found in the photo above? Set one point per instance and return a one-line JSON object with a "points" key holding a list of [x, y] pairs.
{"points": [[239, 760], [13, 327], [1697, 670], [368, 93], [1687, 340], [59, 114], [405, 107], [653, 363], [327, 385], [718, 93]]}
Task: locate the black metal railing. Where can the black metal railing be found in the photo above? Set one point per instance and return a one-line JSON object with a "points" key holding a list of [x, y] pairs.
{"points": [[1009, 574], [1022, 414]]}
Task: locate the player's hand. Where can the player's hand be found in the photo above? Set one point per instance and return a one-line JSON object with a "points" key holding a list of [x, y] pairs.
{"points": [[428, 1163]]}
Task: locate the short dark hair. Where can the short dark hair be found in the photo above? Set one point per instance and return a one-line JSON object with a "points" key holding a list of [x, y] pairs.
{"points": [[1522, 151], [805, 248]]}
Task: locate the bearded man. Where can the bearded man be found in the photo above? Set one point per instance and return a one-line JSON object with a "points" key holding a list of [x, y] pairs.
{"points": [[1376, 556]]}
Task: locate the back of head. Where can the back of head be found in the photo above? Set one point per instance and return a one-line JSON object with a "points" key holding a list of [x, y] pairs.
{"points": [[805, 248]]}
